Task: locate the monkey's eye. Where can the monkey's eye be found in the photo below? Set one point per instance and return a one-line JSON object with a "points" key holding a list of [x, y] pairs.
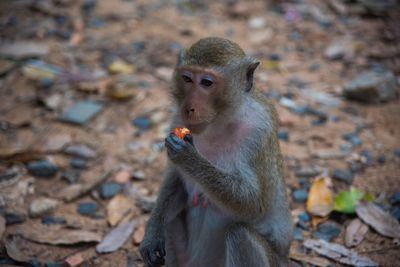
{"points": [[186, 78], [207, 82]]}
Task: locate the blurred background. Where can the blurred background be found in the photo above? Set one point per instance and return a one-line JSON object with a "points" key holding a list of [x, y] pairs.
{"points": [[84, 109]]}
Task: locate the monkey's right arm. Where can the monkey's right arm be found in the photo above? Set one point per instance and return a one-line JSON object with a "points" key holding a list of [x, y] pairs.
{"points": [[169, 204]]}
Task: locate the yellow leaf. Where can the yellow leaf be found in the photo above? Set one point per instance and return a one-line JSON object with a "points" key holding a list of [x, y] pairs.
{"points": [[320, 198], [118, 208], [120, 66]]}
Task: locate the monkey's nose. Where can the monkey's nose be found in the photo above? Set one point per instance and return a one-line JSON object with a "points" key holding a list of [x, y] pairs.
{"points": [[190, 111]]}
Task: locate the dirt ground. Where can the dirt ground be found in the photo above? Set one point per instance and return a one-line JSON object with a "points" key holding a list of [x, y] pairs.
{"points": [[85, 38]]}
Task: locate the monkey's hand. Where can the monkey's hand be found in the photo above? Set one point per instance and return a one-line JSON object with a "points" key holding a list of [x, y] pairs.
{"points": [[152, 250], [180, 150]]}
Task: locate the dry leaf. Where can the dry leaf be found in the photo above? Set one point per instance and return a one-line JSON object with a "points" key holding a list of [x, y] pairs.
{"points": [[138, 235], [320, 198], [58, 236], [383, 222], [72, 192], [355, 233], [74, 260], [15, 249], [2, 226], [116, 238], [118, 208], [338, 253], [310, 259]]}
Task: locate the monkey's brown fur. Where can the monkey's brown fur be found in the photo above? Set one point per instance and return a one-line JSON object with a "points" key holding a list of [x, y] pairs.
{"points": [[232, 167]]}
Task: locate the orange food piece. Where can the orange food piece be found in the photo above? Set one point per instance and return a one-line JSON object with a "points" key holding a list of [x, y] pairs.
{"points": [[181, 132]]}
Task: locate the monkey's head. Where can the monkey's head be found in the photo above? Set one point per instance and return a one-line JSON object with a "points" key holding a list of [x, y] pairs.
{"points": [[211, 78]]}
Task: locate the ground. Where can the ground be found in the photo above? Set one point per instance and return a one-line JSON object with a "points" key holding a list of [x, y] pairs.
{"points": [[121, 53]]}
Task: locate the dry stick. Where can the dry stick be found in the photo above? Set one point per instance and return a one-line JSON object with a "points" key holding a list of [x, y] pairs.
{"points": [[378, 250]]}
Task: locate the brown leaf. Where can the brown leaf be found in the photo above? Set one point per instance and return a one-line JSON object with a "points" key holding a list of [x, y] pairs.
{"points": [[75, 191], [355, 233], [138, 235], [118, 208], [383, 222], [320, 198], [310, 259], [15, 249], [58, 236], [2, 226], [74, 260], [338, 253]]}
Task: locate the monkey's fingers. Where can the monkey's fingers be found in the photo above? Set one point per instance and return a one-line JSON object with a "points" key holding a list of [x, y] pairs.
{"points": [[189, 138]]}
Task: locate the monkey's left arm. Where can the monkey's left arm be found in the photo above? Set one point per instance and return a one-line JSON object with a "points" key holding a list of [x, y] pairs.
{"points": [[240, 196]]}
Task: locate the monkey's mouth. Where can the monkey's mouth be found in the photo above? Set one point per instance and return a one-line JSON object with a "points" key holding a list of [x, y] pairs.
{"points": [[196, 127]]}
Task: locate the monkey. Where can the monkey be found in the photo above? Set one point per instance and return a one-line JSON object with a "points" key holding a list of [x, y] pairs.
{"points": [[223, 200]]}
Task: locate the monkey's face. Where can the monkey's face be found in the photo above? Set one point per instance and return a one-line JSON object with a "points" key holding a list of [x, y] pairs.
{"points": [[198, 91]]}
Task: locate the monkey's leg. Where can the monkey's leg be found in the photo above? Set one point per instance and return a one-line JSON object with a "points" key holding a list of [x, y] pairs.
{"points": [[176, 242], [245, 247]]}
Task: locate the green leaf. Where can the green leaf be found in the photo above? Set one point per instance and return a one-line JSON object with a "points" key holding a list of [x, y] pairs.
{"points": [[346, 201], [369, 197]]}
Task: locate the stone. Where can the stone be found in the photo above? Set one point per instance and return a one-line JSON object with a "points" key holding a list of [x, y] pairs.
{"points": [[305, 217], [53, 220], [372, 86], [382, 159], [88, 209], [327, 231], [138, 235], [257, 23], [300, 196], [71, 176], [395, 198], [298, 234], [142, 122], [283, 135], [78, 163], [108, 190], [339, 49], [42, 205], [81, 151], [54, 264], [396, 213], [343, 175], [13, 218], [308, 171], [396, 152], [42, 168], [82, 112], [138, 175], [122, 176], [24, 49], [367, 155], [353, 139], [74, 260]]}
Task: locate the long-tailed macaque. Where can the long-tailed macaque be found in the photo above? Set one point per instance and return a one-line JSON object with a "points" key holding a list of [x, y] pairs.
{"points": [[223, 201]]}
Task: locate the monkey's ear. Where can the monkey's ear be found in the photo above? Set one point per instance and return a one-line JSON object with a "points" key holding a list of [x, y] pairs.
{"points": [[250, 75], [180, 58]]}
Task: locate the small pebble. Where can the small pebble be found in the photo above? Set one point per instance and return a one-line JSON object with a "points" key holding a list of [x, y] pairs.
{"points": [[283, 135], [327, 231], [300, 196], [80, 151], [143, 123], [82, 112], [343, 175], [71, 176], [41, 206], [395, 199], [298, 234], [35, 263], [382, 159], [353, 138], [42, 168], [78, 163], [396, 213], [368, 156], [53, 220], [54, 264], [305, 217], [396, 152], [108, 190], [304, 183], [13, 218], [88, 209]]}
